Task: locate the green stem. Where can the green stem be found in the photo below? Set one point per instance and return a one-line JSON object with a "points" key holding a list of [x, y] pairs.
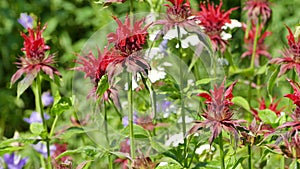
{"points": [[249, 157], [282, 162], [53, 126], [221, 151], [130, 115], [182, 97], [106, 136], [39, 107], [250, 91], [254, 46]]}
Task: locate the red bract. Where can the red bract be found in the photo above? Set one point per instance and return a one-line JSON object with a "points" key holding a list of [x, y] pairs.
{"points": [[218, 115], [212, 19], [296, 95], [295, 124], [124, 148], [272, 106], [177, 15], [291, 147], [35, 59], [291, 56], [257, 8], [261, 48]]}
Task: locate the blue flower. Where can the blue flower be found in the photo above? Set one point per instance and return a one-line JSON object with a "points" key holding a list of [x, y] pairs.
{"points": [[14, 161], [25, 20], [42, 149], [125, 119], [35, 117], [47, 99]]}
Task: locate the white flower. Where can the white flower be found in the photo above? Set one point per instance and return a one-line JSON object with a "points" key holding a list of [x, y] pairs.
{"points": [[156, 74], [203, 148], [174, 140], [233, 24], [192, 40], [153, 35], [225, 36], [172, 33], [163, 164], [187, 120]]}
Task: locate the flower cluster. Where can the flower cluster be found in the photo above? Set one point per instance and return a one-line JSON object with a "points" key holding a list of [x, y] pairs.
{"points": [[257, 9]]}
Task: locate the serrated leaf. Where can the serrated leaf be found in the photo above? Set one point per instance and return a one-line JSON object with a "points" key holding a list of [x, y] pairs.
{"points": [[240, 101], [103, 85], [205, 81], [25, 83], [267, 116], [36, 128], [272, 80]]}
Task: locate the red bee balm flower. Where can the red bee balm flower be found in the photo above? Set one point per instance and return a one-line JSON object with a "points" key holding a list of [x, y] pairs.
{"points": [[212, 19], [291, 56], [177, 14], [128, 41], [261, 48], [258, 8], [95, 68], [35, 59], [218, 116]]}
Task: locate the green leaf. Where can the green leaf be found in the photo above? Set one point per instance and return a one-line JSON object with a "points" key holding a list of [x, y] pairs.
{"points": [[157, 146], [169, 166], [205, 81], [36, 128], [70, 132], [240, 101], [272, 80], [25, 83], [262, 69], [121, 154], [9, 149], [83, 164], [239, 161], [267, 116], [139, 132], [61, 105], [103, 85]]}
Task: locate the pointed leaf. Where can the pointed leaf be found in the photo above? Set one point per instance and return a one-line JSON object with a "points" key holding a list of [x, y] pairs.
{"points": [[25, 83], [36, 128], [102, 86], [240, 101], [267, 116], [205, 81], [272, 80]]}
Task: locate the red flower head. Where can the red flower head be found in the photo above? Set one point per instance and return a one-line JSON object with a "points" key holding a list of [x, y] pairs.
{"points": [[128, 41], [296, 95], [257, 8], [291, 147], [177, 14], [262, 106], [261, 48], [35, 59], [291, 55], [218, 116], [212, 19], [95, 68]]}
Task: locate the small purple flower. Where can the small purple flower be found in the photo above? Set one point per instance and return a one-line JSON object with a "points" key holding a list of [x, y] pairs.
{"points": [[125, 120], [47, 99], [25, 20], [14, 161], [163, 46], [35, 117], [42, 148]]}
